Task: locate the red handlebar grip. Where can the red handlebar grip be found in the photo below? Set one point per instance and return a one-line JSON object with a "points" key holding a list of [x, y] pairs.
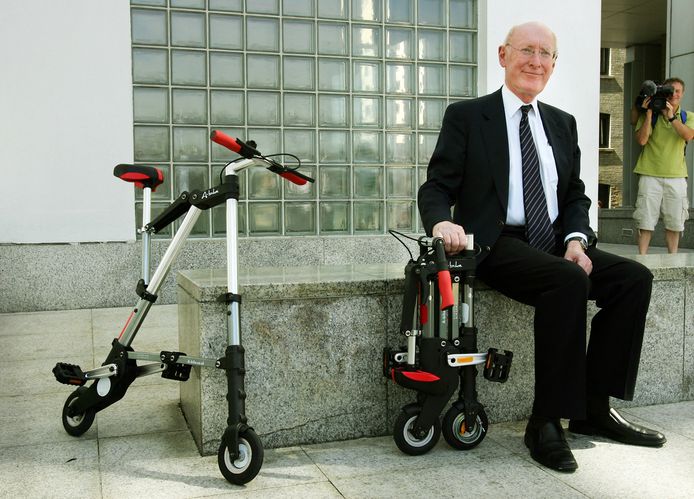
{"points": [[292, 177], [224, 140], [445, 289]]}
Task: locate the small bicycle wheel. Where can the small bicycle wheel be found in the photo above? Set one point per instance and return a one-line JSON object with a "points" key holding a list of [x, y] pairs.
{"points": [[79, 423], [459, 434], [246, 466], [407, 442]]}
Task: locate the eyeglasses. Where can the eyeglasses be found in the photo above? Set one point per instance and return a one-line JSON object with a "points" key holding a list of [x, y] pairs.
{"points": [[529, 53]]}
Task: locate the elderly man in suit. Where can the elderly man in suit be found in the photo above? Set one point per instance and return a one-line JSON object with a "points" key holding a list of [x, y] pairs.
{"points": [[510, 166]]}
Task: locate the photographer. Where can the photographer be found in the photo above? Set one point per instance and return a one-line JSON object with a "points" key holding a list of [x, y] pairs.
{"points": [[663, 130]]}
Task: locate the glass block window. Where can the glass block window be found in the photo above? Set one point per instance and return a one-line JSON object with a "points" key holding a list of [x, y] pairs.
{"points": [[355, 88]]}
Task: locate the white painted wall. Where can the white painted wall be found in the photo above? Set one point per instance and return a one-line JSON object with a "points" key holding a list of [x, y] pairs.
{"points": [[65, 121], [575, 84]]}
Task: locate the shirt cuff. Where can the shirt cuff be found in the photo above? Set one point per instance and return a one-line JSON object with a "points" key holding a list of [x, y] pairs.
{"points": [[577, 234]]}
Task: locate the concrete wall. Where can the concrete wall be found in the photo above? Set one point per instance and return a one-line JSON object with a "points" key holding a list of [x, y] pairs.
{"points": [[66, 121]]}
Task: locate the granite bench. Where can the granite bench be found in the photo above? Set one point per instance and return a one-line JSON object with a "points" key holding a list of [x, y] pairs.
{"points": [[314, 336]]}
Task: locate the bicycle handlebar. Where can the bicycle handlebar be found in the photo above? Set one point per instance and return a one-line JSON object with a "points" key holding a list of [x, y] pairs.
{"points": [[444, 275], [236, 145], [248, 152]]}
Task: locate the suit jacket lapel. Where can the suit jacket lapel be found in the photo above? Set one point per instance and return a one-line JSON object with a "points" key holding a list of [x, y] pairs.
{"points": [[495, 137], [557, 136]]}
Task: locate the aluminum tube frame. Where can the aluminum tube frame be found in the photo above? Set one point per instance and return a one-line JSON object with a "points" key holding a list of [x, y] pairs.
{"points": [[233, 319], [140, 311], [146, 236]]}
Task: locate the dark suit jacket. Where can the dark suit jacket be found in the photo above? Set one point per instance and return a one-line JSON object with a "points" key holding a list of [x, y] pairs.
{"points": [[470, 169]]}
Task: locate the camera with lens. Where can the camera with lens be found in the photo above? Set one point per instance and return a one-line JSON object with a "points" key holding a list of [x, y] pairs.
{"points": [[659, 95]]}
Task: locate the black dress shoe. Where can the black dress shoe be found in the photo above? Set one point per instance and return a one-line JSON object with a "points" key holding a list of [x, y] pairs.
{"points": [[547, 443], [613, 426]]}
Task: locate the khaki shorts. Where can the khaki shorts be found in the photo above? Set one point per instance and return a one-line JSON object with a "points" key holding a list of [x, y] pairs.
{"points": [[662, 195]]}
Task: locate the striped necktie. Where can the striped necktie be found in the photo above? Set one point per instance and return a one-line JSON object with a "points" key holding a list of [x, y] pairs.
{"points": [[537, 222]]}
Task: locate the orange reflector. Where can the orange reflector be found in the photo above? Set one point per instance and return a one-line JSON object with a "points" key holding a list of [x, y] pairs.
{"points": [[464, 360]]}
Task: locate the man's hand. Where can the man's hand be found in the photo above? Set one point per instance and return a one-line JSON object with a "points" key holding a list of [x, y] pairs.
{"points": [[575, 253], [668, 111], [453, 235]]}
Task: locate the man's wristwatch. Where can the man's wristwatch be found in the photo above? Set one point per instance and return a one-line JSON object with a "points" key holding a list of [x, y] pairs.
{"points": [[579, 239], [674, 117]]}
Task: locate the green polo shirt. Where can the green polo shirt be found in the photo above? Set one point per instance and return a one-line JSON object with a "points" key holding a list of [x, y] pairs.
{"points": [[663, 154]]}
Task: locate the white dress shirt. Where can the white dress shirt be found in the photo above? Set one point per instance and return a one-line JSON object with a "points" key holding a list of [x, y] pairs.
{"points": [[515, 213]]}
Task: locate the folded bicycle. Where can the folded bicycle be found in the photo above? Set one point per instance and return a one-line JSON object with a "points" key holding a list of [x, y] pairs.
{"points": [[441, 352]]}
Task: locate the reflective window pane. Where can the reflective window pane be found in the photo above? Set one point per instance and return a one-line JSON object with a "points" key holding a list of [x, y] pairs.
{"points": [[262, 34], [335, 9], [333, 146], [462, 81], [263, 184], [400, 11], [399, 79], [366, 10], [368, 217], [190, 178], [263, 71], [300, 218], [263, 6], [400, 182], [188, 29], [366, 41], [151, 143], [399, 148], [188, 68], [463, 47], [366, 111], [366, 76], [263, 108], [298, 36], [149, 27], [303, 8], [431, 45], [400, 43], [367, 147], [431, 12], [299, 110], [427, 142], [431, 80], [332, 74], [333, 111], [368, 181], [334, 182], [334, 217], [226, 32], [188, 4], [463, 13], [264, 218], [399, 113], [226, 107], [232, 5], [190, 106], [401, 215], [430, 113], [300, 143], [298, 73], [150, 66], [190, 144], [332, 38], [151, 105], [226, 70]]}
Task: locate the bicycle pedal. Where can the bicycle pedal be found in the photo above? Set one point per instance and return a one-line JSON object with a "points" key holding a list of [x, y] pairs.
{"points": [[69, 374], [498, 365]]}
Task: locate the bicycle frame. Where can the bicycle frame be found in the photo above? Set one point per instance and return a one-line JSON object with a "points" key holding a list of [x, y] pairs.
{"points": [[240, 454]]}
